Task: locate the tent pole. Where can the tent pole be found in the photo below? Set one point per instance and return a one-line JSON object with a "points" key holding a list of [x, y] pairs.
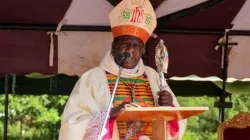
{"points": [[52, 27], [225, 76], [6, 102], [222, 104], [45, 27]]}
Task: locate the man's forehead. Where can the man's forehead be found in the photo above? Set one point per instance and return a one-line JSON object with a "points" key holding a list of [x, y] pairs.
{"points": [[129, 39]]}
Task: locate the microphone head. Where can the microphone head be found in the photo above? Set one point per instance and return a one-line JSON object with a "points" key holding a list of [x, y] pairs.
{"points": [[121, 57], [128, 54], [124, 56]]}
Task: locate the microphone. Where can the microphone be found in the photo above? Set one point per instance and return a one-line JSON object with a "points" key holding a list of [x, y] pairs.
{"points": [[124, 56], [128, 55]]}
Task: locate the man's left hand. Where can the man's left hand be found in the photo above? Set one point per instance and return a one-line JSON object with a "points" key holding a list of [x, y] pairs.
{"points": [[165, 98]]}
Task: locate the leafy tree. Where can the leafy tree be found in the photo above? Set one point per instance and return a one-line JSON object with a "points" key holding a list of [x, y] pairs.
{"points": [[38, 117], [204, 126], [33, 116]]}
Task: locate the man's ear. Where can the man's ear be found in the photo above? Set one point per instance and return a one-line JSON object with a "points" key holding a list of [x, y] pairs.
{"points": [[143, 49]]}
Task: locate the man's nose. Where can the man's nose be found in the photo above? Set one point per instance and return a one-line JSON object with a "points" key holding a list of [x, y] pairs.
{"points": [[130, 48]]}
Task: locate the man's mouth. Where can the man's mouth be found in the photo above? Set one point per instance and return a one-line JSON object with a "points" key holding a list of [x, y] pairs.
{"points": [[130, 60]]}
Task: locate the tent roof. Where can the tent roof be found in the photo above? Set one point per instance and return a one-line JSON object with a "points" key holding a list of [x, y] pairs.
{"points": [[33, 12], [88, 12], [29, 51]]}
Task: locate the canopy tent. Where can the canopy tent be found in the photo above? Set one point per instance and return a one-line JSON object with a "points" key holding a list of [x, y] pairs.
{"points": [[71, 36], [190, 29]]}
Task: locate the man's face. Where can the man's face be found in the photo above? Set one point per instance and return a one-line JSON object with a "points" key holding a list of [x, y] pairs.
{"points": [[131, 44]]}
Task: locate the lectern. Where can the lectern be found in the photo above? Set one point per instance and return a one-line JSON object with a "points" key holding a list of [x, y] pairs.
{"points": [[159, 116]]}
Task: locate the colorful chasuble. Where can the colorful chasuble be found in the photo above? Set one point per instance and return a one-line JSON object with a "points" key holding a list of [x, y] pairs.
{"points": [[142, 96]]}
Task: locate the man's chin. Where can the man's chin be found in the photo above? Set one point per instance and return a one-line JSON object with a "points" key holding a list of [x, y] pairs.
{"points": [[129, 66]]}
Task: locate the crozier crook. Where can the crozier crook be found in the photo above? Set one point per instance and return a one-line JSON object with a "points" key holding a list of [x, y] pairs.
{"points": [[161, 61]]}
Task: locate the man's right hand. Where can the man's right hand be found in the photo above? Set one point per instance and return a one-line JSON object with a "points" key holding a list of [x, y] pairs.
{"points": [[116, 110]]}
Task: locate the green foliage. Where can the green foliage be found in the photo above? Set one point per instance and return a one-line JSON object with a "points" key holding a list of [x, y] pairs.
{"points": [[38, 76], [38, 117], [33, 117], [204, 126]]}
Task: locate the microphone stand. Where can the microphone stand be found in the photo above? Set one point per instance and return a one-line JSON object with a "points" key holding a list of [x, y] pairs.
{"points": [[110, 104]]}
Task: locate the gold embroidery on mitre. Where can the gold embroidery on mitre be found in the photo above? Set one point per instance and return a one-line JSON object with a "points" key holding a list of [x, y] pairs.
{"points": [[138, 2]]}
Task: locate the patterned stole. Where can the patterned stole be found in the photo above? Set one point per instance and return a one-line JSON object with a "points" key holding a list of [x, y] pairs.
{"points": [[142, 96]]}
